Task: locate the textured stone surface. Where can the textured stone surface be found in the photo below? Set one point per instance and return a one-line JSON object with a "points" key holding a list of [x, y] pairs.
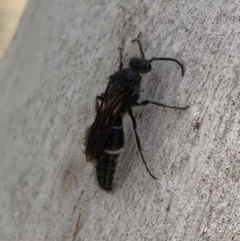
{"points": [[59, 60]]}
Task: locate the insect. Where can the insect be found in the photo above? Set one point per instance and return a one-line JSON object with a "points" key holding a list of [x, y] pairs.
{"points": [[104, 139]]}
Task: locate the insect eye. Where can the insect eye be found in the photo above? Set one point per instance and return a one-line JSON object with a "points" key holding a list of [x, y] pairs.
{"points": [[147, 67]]}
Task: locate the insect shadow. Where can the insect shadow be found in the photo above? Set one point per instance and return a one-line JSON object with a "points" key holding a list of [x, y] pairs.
{"points": [[104, 139]]}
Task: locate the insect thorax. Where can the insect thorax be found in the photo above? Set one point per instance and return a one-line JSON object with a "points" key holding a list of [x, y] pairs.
{"points": [[123, 78]]}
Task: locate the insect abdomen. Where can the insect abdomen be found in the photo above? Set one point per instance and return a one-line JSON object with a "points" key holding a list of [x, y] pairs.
{"points": [[107, 160]]}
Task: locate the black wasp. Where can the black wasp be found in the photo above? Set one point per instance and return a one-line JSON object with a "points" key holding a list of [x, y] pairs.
{"points": [[105, 137]]}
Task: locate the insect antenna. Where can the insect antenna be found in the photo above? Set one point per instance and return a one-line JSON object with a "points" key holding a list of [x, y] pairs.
{"points": [[158, 59], [168, 59]]}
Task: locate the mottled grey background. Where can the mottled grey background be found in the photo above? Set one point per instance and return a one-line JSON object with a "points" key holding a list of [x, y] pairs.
{"points": [[59, 60]]}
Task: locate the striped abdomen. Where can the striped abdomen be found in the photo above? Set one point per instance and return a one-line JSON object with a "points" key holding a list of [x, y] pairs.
{"points": [[107, 160]]}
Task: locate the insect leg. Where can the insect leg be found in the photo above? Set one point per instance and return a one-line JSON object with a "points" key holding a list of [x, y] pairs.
{"points": [[169, 59], [146, 102], [98, 99], [140, 47], [121, 63], [138, 142]]}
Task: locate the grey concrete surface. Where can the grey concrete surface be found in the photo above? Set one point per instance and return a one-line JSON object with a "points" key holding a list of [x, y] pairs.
{"points": [[59, 60]]}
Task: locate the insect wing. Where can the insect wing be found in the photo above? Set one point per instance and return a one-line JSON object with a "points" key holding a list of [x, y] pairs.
{"points": [[98, 133]]}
